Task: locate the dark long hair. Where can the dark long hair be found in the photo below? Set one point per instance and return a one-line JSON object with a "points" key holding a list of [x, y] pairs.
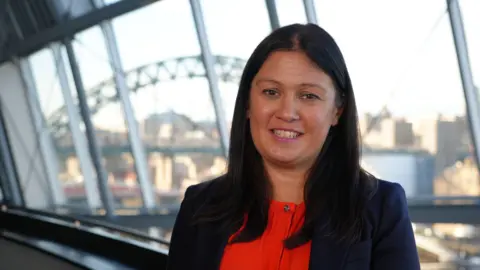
{"points": [[336, 185]]}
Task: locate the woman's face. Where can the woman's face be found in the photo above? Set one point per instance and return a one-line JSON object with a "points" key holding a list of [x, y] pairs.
{"points": [[292, 107]]}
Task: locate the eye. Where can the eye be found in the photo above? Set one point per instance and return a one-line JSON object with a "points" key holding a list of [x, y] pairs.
{"points": [[270, 92], [310, 96]]}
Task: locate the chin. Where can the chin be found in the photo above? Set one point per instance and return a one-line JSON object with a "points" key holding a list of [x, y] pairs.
{"points": [[287, 159]]}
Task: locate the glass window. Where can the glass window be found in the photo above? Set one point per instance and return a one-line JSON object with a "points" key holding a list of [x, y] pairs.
{"points": [[407, 84], [405, 74], [471, 21], [52, 102], [290, 12], [411, 107], [107, 116], [170, 95]]}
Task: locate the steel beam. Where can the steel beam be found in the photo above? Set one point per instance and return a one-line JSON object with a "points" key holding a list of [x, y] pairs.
{"points": [[272, 14], [471, 93], [429, 214], [72, 26], [95, 151], [136, 145], [49, 157], [310, 11], [80, 148], [209, 62]]}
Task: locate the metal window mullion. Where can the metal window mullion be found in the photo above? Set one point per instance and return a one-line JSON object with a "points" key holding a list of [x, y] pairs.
{"points": [[79, 143], [310, 11], [132, 125], [471, 94], [272, 14], [47, 150], [209, 64], [94, 149]]}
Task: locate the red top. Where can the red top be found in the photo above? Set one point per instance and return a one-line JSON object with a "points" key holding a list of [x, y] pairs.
{"points": [[268, 252]]}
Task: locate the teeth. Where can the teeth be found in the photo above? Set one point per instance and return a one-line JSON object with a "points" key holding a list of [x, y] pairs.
{"points": [[286, 134]]}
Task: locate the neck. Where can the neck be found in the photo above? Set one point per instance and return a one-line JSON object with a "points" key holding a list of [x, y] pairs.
{"points": [[287, 184]]}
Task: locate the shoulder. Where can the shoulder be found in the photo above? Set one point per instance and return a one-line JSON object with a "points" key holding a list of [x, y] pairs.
{"points": [[387, 208], [199, 193], [387, 193], [389, 227]]}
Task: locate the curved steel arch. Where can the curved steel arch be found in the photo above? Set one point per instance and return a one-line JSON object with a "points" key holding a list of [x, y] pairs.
{"points": [[229, 69]]}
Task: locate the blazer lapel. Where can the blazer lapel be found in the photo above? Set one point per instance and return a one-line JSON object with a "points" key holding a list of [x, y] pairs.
{"points": [[210, 247], [325, 252]]}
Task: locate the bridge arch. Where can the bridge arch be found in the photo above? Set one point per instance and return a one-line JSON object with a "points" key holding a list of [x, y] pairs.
{"points": [[229, 70]]}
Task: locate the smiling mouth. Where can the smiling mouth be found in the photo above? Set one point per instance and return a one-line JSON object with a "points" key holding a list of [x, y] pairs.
{"points": [[286, 134]]}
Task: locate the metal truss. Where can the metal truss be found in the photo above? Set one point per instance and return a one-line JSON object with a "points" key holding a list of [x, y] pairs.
{"points": [[228, 69], [27, 28]]}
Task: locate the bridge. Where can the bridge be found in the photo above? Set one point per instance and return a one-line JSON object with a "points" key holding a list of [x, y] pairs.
{"points": [[229, 70]]}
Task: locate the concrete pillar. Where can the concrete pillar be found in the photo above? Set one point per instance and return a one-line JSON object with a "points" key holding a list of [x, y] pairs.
{"points": [[23, 139]]}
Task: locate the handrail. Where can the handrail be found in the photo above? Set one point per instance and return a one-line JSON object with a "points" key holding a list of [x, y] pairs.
{"points": [[80, 237], [77, 221]]}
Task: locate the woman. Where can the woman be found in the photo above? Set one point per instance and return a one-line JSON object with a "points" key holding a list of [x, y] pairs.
{"points": [[294, 195]]}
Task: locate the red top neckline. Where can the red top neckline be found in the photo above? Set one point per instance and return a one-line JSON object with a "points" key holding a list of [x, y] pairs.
{"points": [[282, 206]]}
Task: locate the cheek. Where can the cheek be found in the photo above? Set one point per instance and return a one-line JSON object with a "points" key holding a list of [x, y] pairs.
{"points": [[259, 114], [320, 126], [320, 119], [256, 119]]}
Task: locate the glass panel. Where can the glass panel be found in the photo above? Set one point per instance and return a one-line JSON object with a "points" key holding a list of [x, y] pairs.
{"points": [[54, 111], [166, 76], [470, 10], [233, 39], [147, 35], [440, 245], [405, 75], [108, 117], [412, 111], [229, 32], [290, 12], [396, 66]]}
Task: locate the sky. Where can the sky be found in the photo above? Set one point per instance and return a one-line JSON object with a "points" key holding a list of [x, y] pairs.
{"points": [[400, 53]]}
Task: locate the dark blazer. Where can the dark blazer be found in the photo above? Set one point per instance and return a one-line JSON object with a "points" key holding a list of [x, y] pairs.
{"points": [[388, 241]]}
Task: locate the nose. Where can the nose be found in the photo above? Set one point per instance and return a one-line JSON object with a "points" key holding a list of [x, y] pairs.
{"points": [[288, 110]]}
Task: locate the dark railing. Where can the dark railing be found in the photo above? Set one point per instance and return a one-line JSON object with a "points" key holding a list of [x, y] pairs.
{"points": [[82, 238]]}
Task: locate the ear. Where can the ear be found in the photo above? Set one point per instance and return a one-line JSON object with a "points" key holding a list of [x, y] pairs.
{"points": [[336, 115]]}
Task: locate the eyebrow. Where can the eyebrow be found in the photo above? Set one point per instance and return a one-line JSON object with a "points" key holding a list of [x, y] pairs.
{"points": [[263, 80]]}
